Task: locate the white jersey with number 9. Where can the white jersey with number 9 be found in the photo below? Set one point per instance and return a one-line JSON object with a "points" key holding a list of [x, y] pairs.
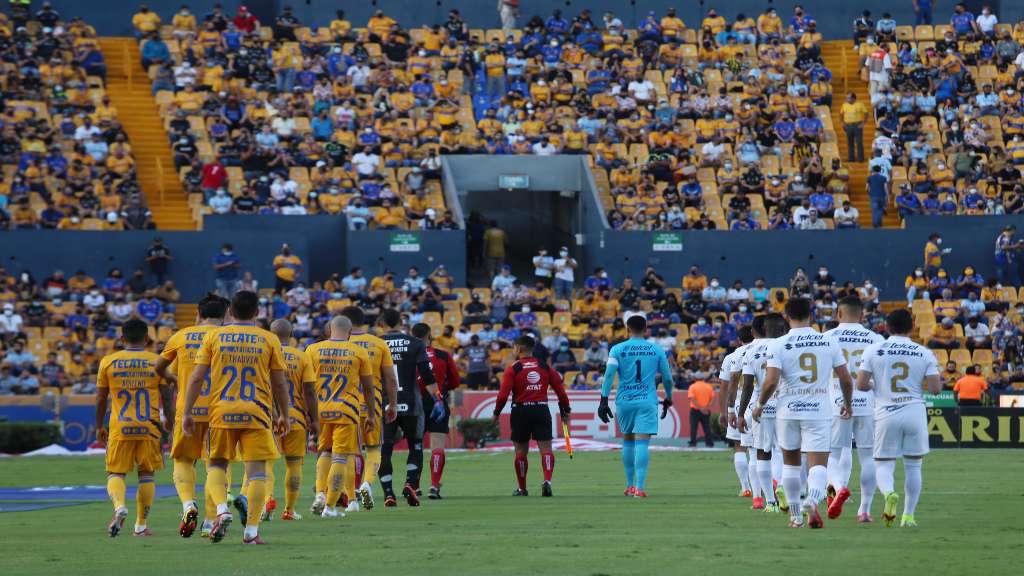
{"points": [[806, 359], [898, 367]]}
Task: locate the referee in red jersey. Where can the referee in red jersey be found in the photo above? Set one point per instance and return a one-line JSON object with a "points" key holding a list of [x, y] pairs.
{"points": [[446, 376], [528, 379]]}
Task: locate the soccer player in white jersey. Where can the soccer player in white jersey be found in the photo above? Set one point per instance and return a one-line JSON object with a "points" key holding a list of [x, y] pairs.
{"points": [[800, 364], [728, 375], [766, 328], [898, 371], [852, 338]]}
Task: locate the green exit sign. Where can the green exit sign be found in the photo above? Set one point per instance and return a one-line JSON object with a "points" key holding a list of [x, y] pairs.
{"points": [[513, 181]]}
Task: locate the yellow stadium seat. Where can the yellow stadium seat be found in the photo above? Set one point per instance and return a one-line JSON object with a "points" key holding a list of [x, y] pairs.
{"points": [[941, 357], [961, 356], [924, 32], [981, 356]]}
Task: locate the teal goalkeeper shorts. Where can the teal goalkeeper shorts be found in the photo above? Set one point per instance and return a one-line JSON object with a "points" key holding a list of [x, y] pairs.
{"points": [[637, 418]]}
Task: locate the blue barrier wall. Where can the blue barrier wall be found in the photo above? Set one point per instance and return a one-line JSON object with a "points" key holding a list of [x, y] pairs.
{"points": [[113, 17]]}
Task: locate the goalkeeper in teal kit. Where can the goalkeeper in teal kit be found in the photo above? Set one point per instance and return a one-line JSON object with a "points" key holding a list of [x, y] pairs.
{"points": [[636, 361]]}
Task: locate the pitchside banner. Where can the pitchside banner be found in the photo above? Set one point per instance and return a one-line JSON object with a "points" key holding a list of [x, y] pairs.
{"points": [[976, 427], [584, 422]]}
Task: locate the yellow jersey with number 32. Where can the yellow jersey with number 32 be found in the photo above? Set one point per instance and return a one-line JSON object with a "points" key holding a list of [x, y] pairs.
{"points": [[182, 349], [131, 377], [241, 357], [300, 371], [338, 365]]}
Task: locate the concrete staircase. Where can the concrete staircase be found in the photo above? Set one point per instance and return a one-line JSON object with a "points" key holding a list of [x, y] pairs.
{"points": [[185, 314], [842, 60], [129, 90]]}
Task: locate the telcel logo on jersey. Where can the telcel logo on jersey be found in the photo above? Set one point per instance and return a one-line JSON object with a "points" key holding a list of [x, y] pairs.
{"points": [[237, 418], [803, 406]]}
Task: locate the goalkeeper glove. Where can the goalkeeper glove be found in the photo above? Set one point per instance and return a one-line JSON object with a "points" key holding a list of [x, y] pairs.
{"points": [[437, 414], [665, 405], [603, 411]]}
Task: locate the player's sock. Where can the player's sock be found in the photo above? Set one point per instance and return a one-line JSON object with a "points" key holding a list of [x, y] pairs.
{"points": [[257, 493], [323, 467], [436, 466], [371, 464], [292, 482], [885, 472], [629, 461], [227, 480], [764, 476], [385, 469], [116, 490], [777, 465], [739, 461], [414, 463], [271, 479], [209, 506], [350, 479], [217, 486], [359, 462], [834, 463], [817, 479], [547, 463], [791, 487], [755, 484], [868, 482], [336, 478], [911, 484], [641, 461], [184, 476], [144, 500], [845, 468], [803, 474], [522, 465]]}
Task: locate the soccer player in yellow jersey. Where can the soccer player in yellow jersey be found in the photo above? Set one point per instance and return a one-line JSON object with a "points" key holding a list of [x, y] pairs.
{"points": [[344, 378], [128, 378], [302, 415], [181, 350], [385, 382], [247, 374]]}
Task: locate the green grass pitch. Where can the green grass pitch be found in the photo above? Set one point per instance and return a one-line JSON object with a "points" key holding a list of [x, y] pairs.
{"points": [[970, 519]]}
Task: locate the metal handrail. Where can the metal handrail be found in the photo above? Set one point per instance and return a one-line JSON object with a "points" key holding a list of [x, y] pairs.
{"points": [[160, 180], [127, 63]]}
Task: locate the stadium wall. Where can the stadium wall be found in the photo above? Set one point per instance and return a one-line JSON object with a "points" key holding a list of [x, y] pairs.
{"points": [[112, 17]]}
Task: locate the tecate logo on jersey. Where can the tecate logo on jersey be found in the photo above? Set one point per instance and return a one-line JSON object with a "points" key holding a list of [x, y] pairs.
{"points": [[803, 406]]}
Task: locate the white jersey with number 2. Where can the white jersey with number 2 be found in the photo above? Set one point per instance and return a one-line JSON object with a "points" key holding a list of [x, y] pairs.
{"points": [[806, 359], [898, 367]]}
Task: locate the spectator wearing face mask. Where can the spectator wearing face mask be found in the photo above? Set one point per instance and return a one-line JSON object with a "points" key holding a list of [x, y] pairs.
{"points": [[715, 296]]}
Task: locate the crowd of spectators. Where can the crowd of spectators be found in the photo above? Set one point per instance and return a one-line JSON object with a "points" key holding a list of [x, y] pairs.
{"points": [[67, 162], [948, 113]]}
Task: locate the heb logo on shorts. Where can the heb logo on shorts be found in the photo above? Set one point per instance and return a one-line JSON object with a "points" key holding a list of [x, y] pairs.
{"points": [[236, 418], [801, 406]]}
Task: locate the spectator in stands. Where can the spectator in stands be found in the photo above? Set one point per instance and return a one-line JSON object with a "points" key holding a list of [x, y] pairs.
{"points": [[976, 334], [1008, 256], [145, 21], [287, 268], [944, 336], [226, 266], [878, 193], [158, 257]]}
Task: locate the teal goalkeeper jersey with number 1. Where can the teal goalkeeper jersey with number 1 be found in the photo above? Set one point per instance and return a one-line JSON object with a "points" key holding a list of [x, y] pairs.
{"points": [[636, 362]]}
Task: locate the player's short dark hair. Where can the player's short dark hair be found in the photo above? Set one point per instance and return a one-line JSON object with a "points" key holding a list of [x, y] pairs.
{"points": [[526, 341], [636, 323], [831, 324], [134, 331], [757, 325], [746, 334], [900, 321], [420, 330], [245, 305], [775, 325], [391, 317], [355, 314], [969, 371], [213, 306], [798, 309], [852, 303]]}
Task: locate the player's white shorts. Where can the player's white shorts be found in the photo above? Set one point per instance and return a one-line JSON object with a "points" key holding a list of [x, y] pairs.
{"points": [[747, 438], [764, 434], [732, 433], [904, 433], [859, 428], [804, 435]]}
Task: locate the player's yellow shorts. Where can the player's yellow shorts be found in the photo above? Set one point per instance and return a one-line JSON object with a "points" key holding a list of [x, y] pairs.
{"points": [[189, 447], [293, 444], [339, 437], [123, 455], [252, 444]]}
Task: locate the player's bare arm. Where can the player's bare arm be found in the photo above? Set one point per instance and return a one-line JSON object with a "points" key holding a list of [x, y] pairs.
{"points": [[748, 391], [390, 379], [724, 407], [167, 401], [195, 383], [864, 380], [366, 383], [312, 418], [163, 366], [934, 384], [102, 395], [846, 385], [279, 387]]}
